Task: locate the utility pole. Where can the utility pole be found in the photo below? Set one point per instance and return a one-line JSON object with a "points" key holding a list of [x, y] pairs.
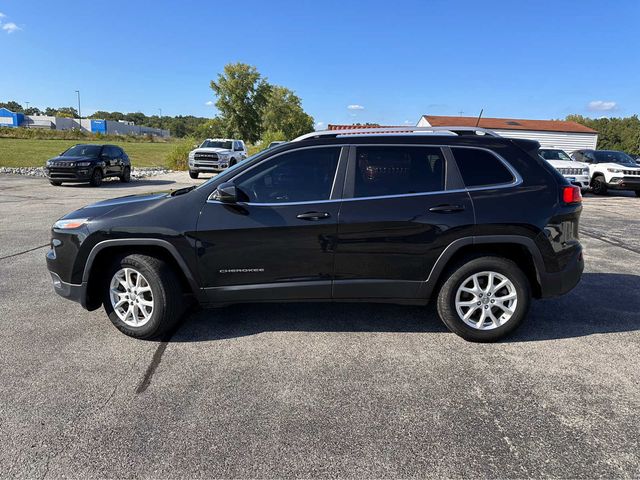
{"points": [[460, 113], [79, 113], [27, 105], [160, 118]]}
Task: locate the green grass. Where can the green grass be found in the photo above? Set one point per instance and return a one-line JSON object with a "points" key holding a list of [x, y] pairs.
{"points": [[18, 152]]}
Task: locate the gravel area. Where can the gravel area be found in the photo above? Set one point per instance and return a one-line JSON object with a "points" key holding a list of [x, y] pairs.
{"points": [[39, 171]]}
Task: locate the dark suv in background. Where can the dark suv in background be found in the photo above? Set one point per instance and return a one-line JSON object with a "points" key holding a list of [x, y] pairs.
{"points": [[477, 222], [88, 163]]}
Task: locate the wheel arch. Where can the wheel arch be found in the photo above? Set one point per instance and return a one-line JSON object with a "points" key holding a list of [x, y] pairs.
{"points": [[519, 249], [103, 253]]}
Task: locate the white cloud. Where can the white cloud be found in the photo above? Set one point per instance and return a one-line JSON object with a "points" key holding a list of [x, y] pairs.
{"points": [[10, 27], [319, 124], [2, 15], [355, 107], [209, 103], [602, 106]]}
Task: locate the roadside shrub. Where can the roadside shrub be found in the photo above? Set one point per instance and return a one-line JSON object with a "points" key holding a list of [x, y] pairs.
{"points": [[178, 157]]}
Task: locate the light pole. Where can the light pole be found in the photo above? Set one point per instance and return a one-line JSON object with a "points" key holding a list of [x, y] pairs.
{"points": [[79, 113], [160, 118], [27, 105]]}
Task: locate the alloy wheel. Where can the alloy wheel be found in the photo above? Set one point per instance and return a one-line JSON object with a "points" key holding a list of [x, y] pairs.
{"points": [[131, 297], [486, 300]]}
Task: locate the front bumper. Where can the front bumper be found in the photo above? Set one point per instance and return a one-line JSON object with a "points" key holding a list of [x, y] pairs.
{"points": [[208, 165], [624, 183], [581, 181], [559, 283], [70, 291], [82, 174]]}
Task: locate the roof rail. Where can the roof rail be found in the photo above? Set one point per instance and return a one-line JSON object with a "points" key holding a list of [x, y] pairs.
{"points": [[400, 130]]}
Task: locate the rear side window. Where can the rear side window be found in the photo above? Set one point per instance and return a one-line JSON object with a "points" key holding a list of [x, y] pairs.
{"points": [[481, 168], [383, 171]]}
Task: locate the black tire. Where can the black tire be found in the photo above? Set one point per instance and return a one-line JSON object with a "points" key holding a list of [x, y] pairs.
{"points": [[459, 274], [232, 162], [126, 175], [55, 183], [193, 174], [165, 288], [96, 178], [637, 193], [599, 186]]}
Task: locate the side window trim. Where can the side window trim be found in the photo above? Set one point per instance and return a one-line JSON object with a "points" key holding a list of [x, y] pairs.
{"points": [[336, 186]]}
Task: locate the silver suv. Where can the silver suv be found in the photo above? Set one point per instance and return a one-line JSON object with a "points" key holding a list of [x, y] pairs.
{"points": [[216, 154]]}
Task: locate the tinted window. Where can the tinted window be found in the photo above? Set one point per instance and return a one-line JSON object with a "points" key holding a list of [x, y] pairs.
{"points": [[612, 156], [83, 151], [479, 167], [299, 176], [398, 170]]}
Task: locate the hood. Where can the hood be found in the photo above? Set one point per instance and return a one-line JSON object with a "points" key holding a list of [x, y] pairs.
{"points": [[79, 158], [615, 165], [212, 150], [567, 164], [134, 202]]}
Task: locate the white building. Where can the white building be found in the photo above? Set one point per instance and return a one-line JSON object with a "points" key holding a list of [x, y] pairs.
{"points": [[568, 136]]}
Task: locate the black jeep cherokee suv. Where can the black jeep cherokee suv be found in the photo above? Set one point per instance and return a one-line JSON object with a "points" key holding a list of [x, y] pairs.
{"points": [[477, 222], [88, 163]]}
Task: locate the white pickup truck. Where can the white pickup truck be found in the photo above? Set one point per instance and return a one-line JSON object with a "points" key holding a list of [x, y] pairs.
{"points": [[576, 172], [216, 154]]}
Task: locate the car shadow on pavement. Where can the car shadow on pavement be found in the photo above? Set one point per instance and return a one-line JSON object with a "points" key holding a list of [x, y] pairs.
{"points": [[118, 184], [602, 303]]}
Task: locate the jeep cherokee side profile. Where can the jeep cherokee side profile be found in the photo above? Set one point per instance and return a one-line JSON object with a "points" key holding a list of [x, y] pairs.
{"points": [[476, 222]]}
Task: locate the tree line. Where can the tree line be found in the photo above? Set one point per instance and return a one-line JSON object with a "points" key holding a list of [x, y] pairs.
{"points": [[614, 133]]}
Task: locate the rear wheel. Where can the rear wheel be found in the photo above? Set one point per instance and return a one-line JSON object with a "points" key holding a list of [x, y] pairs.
{"points": [[96, 178], [126, 175], [637, 193], [484, 299], [599, 185], [193, 174], [55, 183], [142, 296]]}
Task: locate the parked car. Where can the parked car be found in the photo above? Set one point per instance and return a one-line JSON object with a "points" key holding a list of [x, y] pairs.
{"points": [[576, 173], [275, 144], [610, 169], [479, 224], [216, 154], [88, 163]]}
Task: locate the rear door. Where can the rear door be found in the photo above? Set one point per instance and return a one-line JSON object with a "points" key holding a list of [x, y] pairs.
{"points": [[402, 206]]}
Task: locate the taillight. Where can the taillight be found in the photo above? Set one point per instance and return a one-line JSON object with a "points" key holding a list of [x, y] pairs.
{"points": [[571, 194]]}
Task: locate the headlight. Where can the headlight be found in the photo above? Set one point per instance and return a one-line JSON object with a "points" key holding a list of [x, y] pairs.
{"points": [[83, 164], [70, 223], [49, 163], [614, 170], [585, 171]]}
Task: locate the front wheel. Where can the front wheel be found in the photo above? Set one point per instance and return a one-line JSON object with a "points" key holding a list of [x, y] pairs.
{"points": [[96, 178], [637, 193], [484, 299], [193, 174], [142, 296], [599, 185], [126, 175], [55, 183]]}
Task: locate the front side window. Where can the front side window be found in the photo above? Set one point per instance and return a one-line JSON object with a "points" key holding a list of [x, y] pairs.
{"points": [[384, 171], [481, 168], [299, 176]]}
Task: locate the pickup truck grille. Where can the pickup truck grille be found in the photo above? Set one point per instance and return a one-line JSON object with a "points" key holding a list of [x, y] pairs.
{"points": [[205, 156], [570, 171]]}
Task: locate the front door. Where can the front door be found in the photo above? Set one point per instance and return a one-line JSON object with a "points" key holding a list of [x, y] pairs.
{"points": [[406, 206], [277, 242]]}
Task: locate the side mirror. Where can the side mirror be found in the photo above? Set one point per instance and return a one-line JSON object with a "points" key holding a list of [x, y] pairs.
{"points": [[225, 193], [195, 145]]}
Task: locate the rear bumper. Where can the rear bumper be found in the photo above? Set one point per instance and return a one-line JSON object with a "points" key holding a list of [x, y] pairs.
{"points": [[559, 283]]}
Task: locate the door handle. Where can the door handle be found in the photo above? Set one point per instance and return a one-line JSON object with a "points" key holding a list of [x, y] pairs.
{"points": [[313, 216], [447, 208]]}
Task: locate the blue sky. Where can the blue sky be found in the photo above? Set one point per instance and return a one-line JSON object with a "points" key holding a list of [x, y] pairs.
{"points": [[390, 61]]}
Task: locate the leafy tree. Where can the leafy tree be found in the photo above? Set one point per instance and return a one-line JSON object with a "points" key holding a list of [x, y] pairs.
{"points": [[11, 105], [68, 112], [283, 113], [211, 129], [242, 94], [614, 133], [271, 136], [32, 111]]}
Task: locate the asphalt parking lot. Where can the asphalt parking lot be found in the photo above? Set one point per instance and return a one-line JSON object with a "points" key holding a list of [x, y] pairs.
{"points": [[316, 389]]}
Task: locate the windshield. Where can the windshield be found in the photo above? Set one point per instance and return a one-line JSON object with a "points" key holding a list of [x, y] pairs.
{"points": [[555, 155], [217, 144], [83, 151], [611, 156]]}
